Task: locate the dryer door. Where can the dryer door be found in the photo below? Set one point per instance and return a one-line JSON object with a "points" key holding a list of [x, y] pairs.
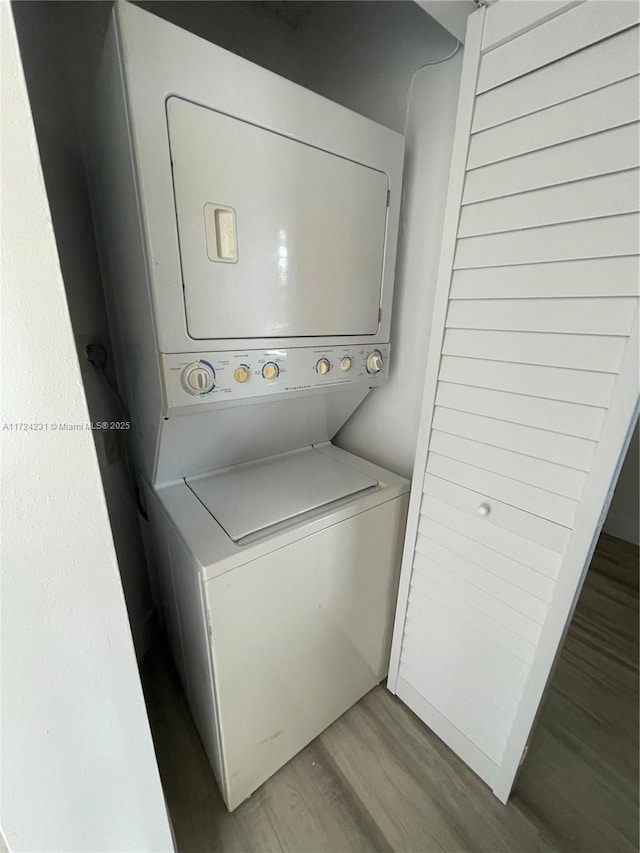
{"points": [[277, 238]]}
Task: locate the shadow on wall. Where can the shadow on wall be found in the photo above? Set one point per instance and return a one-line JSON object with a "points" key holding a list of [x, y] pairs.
{"points": [[623, 518], [60, 46]]}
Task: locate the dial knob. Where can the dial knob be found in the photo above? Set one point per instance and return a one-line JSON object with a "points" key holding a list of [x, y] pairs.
{"points": [[374, 362], [241, 373], [323, 366], [270, 370], [198, 378], [346, 363]]}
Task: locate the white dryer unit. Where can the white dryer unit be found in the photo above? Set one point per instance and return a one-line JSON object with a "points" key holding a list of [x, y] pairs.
{"points": [[278, 238], [247, 232]]}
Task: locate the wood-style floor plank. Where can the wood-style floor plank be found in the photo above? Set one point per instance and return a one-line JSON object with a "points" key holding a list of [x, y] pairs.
{"points": [[581, 772], [379, 780]]}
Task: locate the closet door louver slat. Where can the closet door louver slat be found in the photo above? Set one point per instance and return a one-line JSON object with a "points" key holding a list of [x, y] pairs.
{"points": [[613, 150], [555, 383], [517, 574], [538, 443], [591, 198], [599, 65], [510, 19], [604, 109], [544, 44], [496, 537], [558, 479], [595, 277], [531, 384]]}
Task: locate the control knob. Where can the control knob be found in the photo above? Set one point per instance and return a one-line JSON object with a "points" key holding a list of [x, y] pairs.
{"points": [[241, 373], [374, 362], [323, 366], [345, 363], [270, 370], [198, 378]]}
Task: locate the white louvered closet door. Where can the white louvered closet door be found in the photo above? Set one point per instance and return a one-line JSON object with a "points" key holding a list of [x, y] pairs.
{"points": [[532, 378]]}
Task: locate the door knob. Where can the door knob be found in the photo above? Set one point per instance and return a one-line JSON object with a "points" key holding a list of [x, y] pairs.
{"points": [[484, 509]]}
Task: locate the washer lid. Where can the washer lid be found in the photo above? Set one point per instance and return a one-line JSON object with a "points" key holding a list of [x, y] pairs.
{"points": [[251, 497]]}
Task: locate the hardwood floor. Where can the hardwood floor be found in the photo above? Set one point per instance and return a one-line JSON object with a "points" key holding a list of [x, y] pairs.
{"points": [[379, 780], [581, 773]]}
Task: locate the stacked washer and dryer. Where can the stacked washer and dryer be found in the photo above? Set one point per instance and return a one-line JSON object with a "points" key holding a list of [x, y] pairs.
{"points": [[247, 233]]}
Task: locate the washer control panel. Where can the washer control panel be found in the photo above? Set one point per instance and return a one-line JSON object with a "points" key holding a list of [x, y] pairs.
{"points": [[237, 375]]}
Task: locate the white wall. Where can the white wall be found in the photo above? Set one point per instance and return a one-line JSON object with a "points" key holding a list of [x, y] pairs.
{"points": [[363, 55], [59, 45], [452, 14], [242, 26], [78, 770]]}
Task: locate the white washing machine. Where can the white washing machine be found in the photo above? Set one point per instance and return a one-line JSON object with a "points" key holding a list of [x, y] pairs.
{"points": [[247, 232], [280, 577]]}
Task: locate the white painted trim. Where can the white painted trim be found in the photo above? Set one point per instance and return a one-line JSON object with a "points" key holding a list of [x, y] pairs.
{"points": [[470, 67], [599, 488]]}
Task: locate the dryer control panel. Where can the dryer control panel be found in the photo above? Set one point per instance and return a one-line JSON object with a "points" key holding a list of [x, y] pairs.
{"points": [[209, 377]]}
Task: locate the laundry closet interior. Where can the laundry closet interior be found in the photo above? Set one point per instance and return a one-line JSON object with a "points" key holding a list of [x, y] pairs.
{"points": [[364, 281]]}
